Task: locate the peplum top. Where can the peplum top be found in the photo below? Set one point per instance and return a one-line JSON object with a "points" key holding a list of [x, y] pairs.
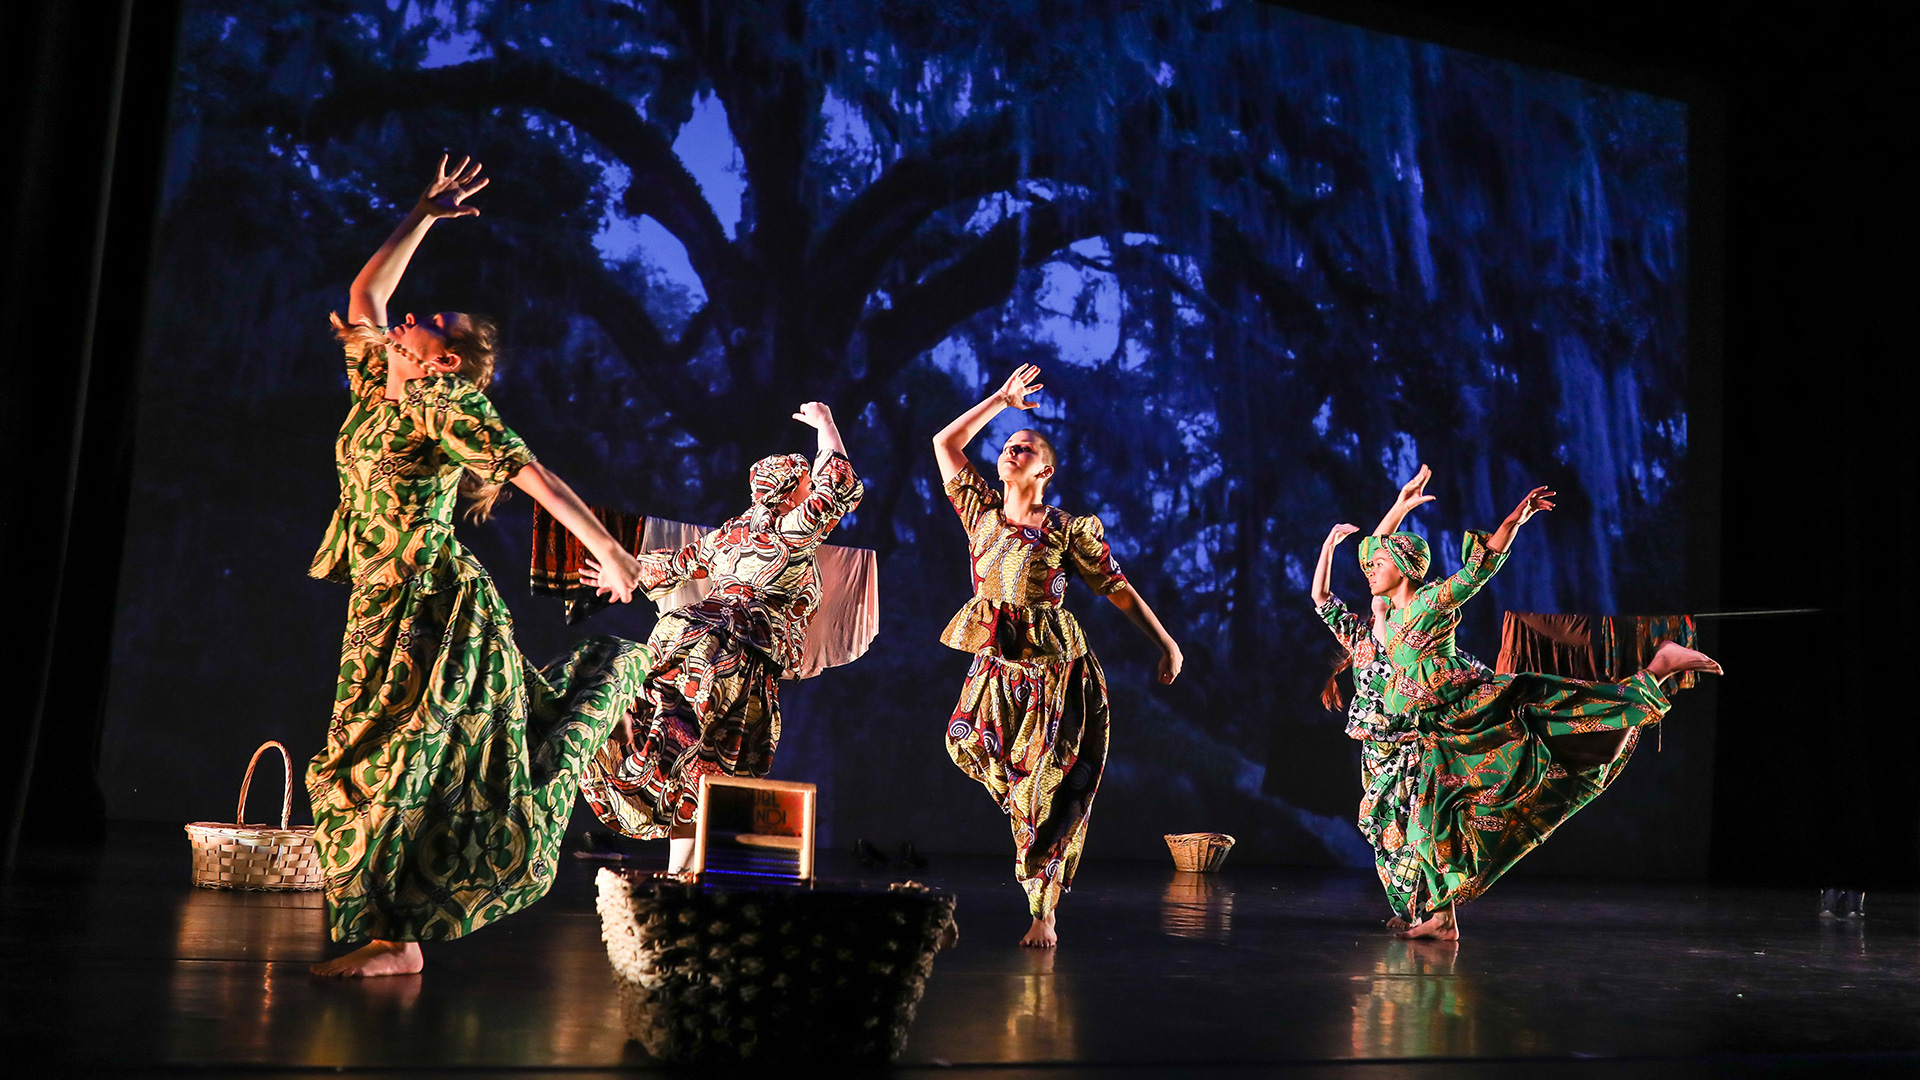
{"points": [[1020, 576], [399, 464]]}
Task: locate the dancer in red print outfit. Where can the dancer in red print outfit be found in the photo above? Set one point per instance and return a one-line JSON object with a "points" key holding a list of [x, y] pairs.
{"points": [[711, 704]]}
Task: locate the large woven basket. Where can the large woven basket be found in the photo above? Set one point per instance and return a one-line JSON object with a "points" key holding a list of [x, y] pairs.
{"points": [[725, 973], [1200, 851], [241, 856]]}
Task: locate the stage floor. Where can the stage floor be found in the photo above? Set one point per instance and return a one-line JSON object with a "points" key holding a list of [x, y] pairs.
{"points": [[113, 965]]}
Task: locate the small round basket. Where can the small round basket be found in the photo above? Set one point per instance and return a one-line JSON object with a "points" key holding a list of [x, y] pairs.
{"points": [[241, 856], [1199, 851]]}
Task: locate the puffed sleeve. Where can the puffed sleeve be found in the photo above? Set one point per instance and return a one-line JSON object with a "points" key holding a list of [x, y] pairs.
{"points": [[365, 345], [470, 432], [1351, 629], [366, 367], [663, 571], [1092, 556], [836, 491], [971, 497], [1478, 564]]}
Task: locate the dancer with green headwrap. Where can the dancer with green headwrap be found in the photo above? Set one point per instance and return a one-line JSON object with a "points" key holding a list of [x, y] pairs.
{"points": [[1506, 758]]}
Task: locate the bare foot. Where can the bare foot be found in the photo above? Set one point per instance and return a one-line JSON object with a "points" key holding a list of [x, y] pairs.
{"points": [[1395, 922], [375, 958], [1041, 935], [1439, 926], [1672, 659]]}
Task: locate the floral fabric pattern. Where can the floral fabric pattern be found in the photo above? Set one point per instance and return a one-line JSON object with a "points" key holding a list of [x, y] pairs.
{"points": [[710, 704]]}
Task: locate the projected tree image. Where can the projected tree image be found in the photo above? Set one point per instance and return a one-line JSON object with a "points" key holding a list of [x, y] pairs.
{"points": [[1270, 264]]}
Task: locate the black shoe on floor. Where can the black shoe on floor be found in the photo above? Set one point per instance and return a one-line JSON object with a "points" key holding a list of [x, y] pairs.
{"points": [[910, 858], [866, 853]]}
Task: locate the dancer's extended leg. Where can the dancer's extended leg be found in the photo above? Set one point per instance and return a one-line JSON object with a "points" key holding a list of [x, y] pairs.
{"points": [[680, 849], [1674, 659]]}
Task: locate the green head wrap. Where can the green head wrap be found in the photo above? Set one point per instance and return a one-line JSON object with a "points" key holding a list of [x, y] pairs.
{"points": [[1408, 552]]}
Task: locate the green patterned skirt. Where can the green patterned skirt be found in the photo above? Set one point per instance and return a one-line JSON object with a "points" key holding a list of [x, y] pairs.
{"points": [[1496, 778], [451, 764]]}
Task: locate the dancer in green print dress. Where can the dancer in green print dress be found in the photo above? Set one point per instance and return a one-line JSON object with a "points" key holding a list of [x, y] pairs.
{"points": [[1506, 758], [451, 763]]}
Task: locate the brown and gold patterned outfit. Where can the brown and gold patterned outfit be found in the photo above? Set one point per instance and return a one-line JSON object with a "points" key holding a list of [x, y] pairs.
{"points": [[1032, 722]]}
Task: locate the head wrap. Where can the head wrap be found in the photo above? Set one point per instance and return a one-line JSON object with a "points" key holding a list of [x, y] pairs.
{"points": [[773, 478], [1408, 551]]}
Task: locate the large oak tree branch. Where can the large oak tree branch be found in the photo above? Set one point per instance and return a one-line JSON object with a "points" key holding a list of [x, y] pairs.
{"points": [[847, 259], [772, 106], [661, 187], [606, 298], [983, 277]]}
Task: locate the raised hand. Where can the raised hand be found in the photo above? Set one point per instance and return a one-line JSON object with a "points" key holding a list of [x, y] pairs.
{"points": [[1413, 492], [1013, 393], [1339, 533], [444, 196], [1537, 500], [815, 415]]}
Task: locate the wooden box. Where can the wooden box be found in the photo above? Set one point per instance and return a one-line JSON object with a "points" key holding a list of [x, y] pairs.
{"points": [[754, 829]]}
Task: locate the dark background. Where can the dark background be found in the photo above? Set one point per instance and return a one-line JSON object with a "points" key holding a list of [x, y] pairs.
{"points": [[1806, 783]]}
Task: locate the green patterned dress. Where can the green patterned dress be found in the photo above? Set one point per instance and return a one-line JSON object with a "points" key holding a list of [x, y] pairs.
{"points": [[1489, 789], [1390, 761], [451, 763]]}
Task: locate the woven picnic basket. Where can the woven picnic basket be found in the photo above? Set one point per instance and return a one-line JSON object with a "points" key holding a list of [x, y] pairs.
{"points": [[1201, 851], [242, 856]]}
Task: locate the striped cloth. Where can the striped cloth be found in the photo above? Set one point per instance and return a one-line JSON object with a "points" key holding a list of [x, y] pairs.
{"points": [[558, 557]]}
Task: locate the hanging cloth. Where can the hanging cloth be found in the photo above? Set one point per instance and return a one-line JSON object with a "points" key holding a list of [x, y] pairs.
{"points": [[1603, 648]]}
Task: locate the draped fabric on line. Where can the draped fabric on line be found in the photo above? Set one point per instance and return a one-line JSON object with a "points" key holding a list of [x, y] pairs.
{"points": [[1491, 783], [1603, 647], [451, 763], [710, 704], [841, 631], [1032, 722]]}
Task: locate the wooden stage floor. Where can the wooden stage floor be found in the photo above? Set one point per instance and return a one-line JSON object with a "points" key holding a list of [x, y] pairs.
{"points": [[114, 966]]}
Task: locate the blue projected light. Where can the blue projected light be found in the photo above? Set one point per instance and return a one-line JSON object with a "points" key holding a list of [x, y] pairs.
{"points": [[1269, 264]]}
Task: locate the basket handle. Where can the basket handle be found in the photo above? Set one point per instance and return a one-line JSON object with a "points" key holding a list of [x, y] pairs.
{"points": [[286, 799]]}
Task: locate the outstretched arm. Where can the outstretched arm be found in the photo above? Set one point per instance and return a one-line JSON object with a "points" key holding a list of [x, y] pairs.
{"points": [[367, 299], [1412, 494], [611, 569], [1536, 501], [1322, 589], [816, 415], [1134, 607], [950, 446]]}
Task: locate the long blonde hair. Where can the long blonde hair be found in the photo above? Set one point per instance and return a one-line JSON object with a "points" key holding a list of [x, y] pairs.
{"points": [[475, 341]]}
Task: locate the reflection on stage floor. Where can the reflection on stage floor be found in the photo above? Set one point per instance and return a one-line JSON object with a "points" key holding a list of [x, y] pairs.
{"points": [[112, 962]]}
